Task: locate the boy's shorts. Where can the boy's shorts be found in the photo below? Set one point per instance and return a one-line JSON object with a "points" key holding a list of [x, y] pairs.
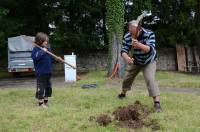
{"points": [[44, 88]]}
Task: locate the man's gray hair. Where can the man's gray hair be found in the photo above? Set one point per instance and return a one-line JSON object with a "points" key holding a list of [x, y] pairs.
{"points": [[133, 23]]}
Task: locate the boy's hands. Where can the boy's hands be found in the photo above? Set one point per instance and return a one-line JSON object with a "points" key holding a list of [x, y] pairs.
{"points": [[59, 58], [44, 44], [45, 49]]}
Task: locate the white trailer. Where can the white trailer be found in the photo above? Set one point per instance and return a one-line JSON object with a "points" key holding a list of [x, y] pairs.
{"points": [[19, 55]]}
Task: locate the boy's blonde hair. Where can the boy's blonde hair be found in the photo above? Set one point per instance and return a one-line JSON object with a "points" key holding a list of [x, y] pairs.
{"points": [[40, 38]]}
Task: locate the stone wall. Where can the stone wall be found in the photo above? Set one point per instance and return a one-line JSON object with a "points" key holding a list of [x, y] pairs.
{"points": [[167, 59], [94, 61]]}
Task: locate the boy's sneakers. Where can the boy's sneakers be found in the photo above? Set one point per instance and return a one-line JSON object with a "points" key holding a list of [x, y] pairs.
{"points": [[157, 107], [121, 96]]}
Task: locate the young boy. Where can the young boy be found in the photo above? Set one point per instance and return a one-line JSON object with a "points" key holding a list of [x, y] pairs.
{"points": [[43, 69]]}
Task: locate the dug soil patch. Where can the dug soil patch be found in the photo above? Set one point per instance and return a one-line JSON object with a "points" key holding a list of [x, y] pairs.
{"points": [[104, 120], [133, 116]]}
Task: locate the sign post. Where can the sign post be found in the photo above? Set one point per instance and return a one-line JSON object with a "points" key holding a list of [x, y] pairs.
{"points": [[70, 73]]}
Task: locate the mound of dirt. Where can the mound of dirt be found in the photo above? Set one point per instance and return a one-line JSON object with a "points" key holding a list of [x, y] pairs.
{"points": [[132, 116], [104, 120]]}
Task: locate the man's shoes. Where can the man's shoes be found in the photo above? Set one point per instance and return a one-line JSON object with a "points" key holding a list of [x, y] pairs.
{"points": [[121, 96], [47, 104], [157, 107], [43, 106]]}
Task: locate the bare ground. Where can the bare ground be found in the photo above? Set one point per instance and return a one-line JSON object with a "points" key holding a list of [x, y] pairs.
{"points": [[58, 82]]}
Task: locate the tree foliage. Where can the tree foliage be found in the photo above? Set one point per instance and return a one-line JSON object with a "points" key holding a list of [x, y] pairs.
{"points": [[75, 25], [79, 25], [176, 22], [114, 23]]}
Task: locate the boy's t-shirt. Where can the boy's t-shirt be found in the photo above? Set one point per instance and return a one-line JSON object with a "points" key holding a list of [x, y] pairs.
{"points": [[42, 61]]}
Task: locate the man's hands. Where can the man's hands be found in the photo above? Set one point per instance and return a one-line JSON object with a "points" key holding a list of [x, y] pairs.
{"points": [[128, 59], [137, 45]]}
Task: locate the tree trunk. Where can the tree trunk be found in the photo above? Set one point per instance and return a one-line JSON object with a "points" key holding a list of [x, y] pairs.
{"points": [[116, 59], [190, 59], [181, 58], [115, 25], [197, 58]]}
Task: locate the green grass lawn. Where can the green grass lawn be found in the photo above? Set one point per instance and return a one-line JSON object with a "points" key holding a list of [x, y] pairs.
{"points": [[172, 79], [164, 79], [71, 108], [180, 80]]}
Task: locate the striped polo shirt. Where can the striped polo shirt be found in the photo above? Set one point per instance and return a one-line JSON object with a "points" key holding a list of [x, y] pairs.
{"points": [[141, 58]]}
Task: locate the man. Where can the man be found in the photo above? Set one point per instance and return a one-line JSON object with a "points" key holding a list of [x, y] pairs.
{"points": [[144, 59]]}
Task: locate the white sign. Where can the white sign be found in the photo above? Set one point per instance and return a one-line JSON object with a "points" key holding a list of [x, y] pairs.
{"points": [[70, 73]]}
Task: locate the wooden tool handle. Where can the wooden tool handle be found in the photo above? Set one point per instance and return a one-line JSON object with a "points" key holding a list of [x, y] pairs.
{"points": [[50, 53]]}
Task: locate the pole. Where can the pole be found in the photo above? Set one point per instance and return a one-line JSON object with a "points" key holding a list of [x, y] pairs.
{"points": [[48, 52]]}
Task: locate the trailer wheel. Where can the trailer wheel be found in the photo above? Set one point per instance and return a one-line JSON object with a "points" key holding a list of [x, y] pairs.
{"points": [[16, 74]]}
